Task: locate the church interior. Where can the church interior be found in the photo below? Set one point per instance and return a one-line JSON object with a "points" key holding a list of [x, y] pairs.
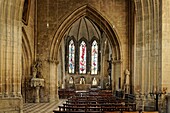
{"points": [[113, 52]]}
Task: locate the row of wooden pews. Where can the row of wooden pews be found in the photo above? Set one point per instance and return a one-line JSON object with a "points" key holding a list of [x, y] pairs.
{"points": [[66, 93], [99, 101]]}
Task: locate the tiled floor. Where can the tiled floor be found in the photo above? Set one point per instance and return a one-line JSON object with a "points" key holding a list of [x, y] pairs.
{"points": [[41, 107]]}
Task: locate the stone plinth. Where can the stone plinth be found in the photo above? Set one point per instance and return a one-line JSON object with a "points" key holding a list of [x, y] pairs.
{"points": [[37, 83]]}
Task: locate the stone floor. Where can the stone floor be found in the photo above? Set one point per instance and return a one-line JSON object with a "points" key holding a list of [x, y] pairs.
{"points": [[41, 107]]}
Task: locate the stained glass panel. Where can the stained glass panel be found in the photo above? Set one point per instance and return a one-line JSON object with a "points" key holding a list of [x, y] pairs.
{"points": [[82, 58], [94, 57], [71, 57]]}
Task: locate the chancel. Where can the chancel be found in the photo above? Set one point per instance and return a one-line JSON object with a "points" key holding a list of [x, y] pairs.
{"points": [[84, 56]]}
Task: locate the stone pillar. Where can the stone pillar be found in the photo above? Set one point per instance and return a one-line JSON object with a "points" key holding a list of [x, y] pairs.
{"points": [[116, 74], [165, 44], [53, 81], [102, 71], [10, 55], [37, 99]]}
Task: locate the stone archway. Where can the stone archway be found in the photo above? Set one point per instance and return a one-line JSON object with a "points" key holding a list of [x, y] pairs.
{"points": [[98, 19]]}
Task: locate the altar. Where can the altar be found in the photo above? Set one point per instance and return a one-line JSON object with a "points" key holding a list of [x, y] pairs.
{"points": [[82, 87]]}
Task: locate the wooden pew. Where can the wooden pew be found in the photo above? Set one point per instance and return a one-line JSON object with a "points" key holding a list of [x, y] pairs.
{"points": [[55, 111], [150, 112], [66, 93], [130, 112], [99, 101], [112, 112]]}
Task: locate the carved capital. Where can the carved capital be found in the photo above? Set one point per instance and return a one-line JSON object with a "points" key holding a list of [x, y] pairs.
{"points": [[53, 61], [117, 61]]}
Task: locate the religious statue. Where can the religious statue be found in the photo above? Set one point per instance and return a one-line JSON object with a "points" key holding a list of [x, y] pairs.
{"points": [[82, 80], [164, 93], [110, 65], [109, 70], [71, 80], [36, 69], [94, 82], [127, 81]]}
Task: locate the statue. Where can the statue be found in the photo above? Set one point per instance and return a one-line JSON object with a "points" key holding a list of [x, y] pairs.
{"points": [[36, 69], [71, 80], [94, 82], [82, 80], [127, 81], [110, 66], [110, 70], [164, 93]]}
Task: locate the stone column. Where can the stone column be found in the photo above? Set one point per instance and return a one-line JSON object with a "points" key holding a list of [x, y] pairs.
{"points": [[37, 99], [116, 73], [10, 55], [53, 81], [165, 44]]}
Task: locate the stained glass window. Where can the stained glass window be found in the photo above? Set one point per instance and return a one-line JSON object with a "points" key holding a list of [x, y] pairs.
{"points": [[94, 57], [82, 58], [71, 57]]}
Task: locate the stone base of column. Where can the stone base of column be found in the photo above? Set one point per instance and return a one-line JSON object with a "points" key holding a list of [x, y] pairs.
{"points": [[54, 98], [13, 94], [11, 105]]}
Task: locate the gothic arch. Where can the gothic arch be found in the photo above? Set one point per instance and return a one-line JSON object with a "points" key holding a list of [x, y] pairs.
{"points": [[26, 45], [111, 33], [97, 18]]}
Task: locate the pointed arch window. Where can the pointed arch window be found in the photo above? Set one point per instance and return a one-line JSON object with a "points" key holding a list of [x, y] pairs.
{"points": [[94, 57], [82, 57], [71, 57]]}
